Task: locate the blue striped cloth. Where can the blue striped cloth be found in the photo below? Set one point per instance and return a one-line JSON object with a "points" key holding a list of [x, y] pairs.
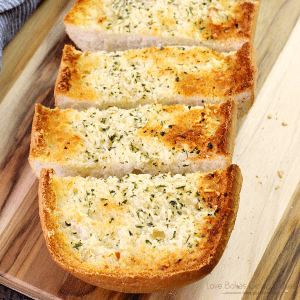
{"points": [[13, 14]]}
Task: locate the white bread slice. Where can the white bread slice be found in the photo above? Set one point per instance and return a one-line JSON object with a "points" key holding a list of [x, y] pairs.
{"points": [[167, 75], [223, 25], [148, 139], [140, 233]]}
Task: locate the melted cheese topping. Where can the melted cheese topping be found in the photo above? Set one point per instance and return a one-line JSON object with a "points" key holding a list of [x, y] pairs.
{"points": [[152, 75], [166, 18], [150, 138], [130, 220]]}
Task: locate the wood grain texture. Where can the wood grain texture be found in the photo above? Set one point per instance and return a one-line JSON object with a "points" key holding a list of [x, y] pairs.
{"points": [[263, 147], [30, 87], [28, 82], [276, 20], [26, 42], [278, 278]]}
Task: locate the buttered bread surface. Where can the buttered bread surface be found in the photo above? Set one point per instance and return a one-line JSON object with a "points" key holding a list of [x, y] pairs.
{"points": [[148, 139], [140, 232], [167, 75], [117, 25]]}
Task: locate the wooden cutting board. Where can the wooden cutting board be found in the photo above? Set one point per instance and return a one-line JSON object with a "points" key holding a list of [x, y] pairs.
{"points": [[262, 259]]}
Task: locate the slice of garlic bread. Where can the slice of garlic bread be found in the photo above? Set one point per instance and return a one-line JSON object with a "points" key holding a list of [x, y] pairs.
{"points": [[139, 233], [223, 25], [148, 139], [166, 75]]}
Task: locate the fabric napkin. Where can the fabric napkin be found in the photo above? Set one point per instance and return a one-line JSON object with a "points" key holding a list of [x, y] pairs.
{"points": [[13, 14]]}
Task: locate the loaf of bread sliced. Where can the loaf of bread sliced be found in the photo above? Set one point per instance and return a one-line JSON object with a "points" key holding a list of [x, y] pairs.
{"points": [[148, 139], [223, 25], [167, 75], [139, 233]]}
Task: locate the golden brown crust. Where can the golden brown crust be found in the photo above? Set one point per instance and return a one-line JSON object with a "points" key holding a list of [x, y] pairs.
{"points": [[47, 204], [191, 267], [79, 9], [225, 135], [228, 212], [228, 82], [70, 74], [190, 130], [238, 27], [63, 81], [246, 69], [68, 65], [51, 133], [206, 135], [236, 76]]}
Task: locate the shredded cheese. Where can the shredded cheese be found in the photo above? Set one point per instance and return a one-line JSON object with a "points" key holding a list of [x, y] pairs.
{"points": [[129, 78], [133, 215], [166, 18], [150, 138]]}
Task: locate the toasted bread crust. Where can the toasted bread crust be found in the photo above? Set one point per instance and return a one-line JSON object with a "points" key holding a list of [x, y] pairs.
{"points": [[234, 78], [162, 274], [206, 134], [242, 27], [41, 142], [188, 131], [235, 29], [69, 74]]}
